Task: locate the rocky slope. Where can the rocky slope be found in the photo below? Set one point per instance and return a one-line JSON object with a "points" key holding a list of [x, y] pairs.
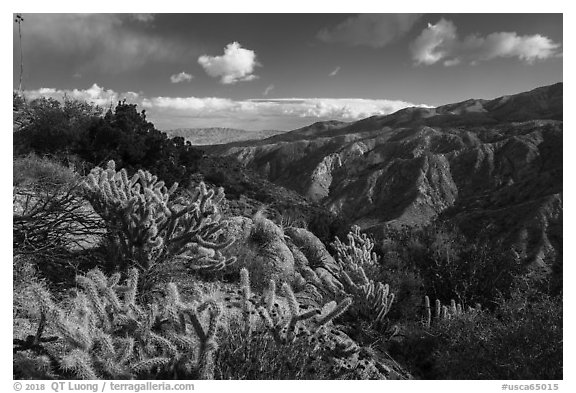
{"points": [[492, 166]]}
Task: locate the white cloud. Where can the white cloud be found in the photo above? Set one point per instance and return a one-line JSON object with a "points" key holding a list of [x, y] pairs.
{"points": [[440, 42], [375, 30], [144, 18], [434, 43], [286, 113], [348, 109], [106, 42], [336, 70], [235, 65], [193, 105], [181, 77], [95, 94], [268, 89]]}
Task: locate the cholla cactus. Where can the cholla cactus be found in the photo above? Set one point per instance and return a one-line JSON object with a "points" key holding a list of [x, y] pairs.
{"points": [[107, 334], [372, 300], [441, 312], [427, 311], [300, 322], [149, 227], [357, 251]]}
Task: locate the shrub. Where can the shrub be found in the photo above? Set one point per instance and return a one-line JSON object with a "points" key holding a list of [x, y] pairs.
{"points": [[520, 342], [452, 266], [521, 339], [36, 172], [327, 225], [50, 217], [47, 126], [73, 127]]}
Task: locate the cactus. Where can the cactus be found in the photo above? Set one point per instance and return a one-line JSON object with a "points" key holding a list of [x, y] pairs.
{"points": [[427, 311], [148, 226], [372, 300], [357, 250], [106, 334], [443, 313], [297, 324]]}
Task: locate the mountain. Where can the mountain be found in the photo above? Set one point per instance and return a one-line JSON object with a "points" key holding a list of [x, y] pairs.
{"points": [[216, 135], [490, 166]]}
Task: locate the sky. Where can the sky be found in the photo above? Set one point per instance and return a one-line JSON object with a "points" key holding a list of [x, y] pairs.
{"points": [[283, 71]]}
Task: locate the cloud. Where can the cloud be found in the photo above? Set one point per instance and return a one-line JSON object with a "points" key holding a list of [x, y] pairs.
{"points": [[105, 42], [336, 70], [255, 114], [347, 109], [144, 18], [434, 43], [375, 30], [268, 89], [440, 42], [235, 65], [181, 77], [94, 94]]}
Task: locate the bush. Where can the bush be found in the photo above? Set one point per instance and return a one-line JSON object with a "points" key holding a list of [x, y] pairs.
{"points": [[46, 126], [50, 217], [452, 266], [521, 339], [33, 171]]}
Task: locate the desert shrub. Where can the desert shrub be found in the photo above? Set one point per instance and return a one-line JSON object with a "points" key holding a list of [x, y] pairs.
{"points": [[76, 128], [34, 171], [327, 226], [293, 217], [50, 217], [127, 137], [48, 126], [259, 357], [408, 288], [452, 266], [520, 339], [523, 340], [264, 231], [106, 332]]}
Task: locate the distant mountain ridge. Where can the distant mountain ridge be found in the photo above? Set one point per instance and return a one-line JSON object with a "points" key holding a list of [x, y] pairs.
{"points": [[218, 135], [487, 165]]}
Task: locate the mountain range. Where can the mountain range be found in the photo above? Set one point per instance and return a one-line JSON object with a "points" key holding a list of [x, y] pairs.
{"points": [[489, 166], [218, 135]]}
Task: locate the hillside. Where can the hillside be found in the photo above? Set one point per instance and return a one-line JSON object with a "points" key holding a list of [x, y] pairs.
{"points": [[218, 135], [491, 166], [165, 262]]}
